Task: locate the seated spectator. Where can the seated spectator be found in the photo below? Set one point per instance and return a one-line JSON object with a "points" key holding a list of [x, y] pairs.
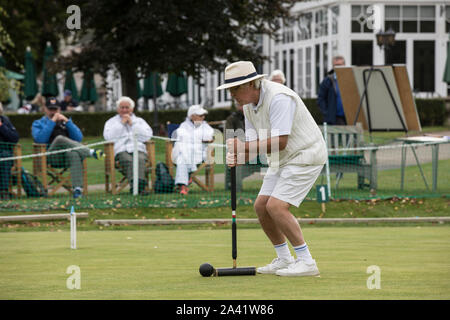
{"points": [[8, 137], [25, 109], [190, 146], [277, 76], [119, 129], [38, 103], [58, 132], [69, 104]]}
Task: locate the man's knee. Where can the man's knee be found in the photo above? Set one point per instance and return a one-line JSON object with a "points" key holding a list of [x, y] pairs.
{"points": [[275, 205], [260, 205]]}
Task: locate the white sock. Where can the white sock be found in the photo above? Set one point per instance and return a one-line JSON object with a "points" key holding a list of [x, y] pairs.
{"points": [[283, 251], [302, 253]]}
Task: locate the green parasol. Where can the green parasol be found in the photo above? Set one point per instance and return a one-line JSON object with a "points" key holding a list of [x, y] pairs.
{"points": [[88, 90], [70, 84], [30, 87], [49, 84], [176, 84]]}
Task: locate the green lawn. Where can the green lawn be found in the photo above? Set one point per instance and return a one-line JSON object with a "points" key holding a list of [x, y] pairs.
{"points": [[158, 264]]}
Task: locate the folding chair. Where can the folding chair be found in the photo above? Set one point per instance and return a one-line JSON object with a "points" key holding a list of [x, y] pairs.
{"points": [[111, 165], [59, 177], [208, 165], [16, 172]]}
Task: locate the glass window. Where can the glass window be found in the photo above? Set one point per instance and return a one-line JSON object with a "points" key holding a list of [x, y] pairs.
{"points": [[356, 11], [396, 54], [424, 66], [362, 53], [360, 18], [334, 21], [304, 26], [321, 19], [300, 84], [427, 12], [427, 19], [394, 25], [410, 19], [410, 12], [219, 92], [277, 60], [392, 12], [427, 26], [308, 72], [409, 26], [317, 67], [325, 59], [447, 19]]}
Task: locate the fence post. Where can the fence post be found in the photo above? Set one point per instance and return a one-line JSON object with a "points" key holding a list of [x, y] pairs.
{"points": [[135, 164]]}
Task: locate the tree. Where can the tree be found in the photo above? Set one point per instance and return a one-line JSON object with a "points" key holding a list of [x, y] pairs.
{"points": [[171, 35], [32, 23]]}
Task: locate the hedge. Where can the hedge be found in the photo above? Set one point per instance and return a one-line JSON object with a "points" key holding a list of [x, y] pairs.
{"points": [[432, 112]]}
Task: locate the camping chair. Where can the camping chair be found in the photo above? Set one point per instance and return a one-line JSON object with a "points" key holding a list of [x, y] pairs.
{"points": [[111, 165], [59, 177], [208, 165]]}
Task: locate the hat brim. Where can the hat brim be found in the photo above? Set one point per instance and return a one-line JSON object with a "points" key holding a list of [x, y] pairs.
{"points": [[237, 83], [200, 113]]}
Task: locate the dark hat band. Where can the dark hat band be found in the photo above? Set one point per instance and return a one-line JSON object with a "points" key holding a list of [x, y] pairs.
{"points": [[241, 78]]}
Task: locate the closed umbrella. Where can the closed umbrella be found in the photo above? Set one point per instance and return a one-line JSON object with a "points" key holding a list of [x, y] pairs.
{"points": [[69, 84], [88, 90], [49, 84], [447, 65], [149, 86], [30, 86], [176, 84]]}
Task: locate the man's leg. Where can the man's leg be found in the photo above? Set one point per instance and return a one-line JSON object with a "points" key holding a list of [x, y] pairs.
{"points": [[76, 169], [279, 212], [291, 188], [126, 163], [267, 223], [276, 236], [62, 142]]}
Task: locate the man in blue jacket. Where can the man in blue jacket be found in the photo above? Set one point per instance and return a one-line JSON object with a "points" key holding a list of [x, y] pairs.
{"points": [[329, 98], [58, 132], [8, 138]]}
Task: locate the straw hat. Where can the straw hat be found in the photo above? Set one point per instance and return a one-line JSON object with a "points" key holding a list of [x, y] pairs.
{"points": [[238, 73]]}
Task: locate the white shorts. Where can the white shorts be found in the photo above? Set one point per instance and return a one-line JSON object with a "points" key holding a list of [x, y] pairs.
{"points": [[290, 183]]}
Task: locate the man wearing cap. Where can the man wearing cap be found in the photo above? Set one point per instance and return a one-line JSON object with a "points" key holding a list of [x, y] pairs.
{"points": [[277, 123], [58, 132], [119, 129], [68, 103], [190, 146]]}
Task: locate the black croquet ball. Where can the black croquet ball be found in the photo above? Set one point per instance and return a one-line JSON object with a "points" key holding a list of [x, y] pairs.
{"points": [[206, 270]]}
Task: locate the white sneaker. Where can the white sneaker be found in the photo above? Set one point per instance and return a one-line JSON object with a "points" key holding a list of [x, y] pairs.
{"points": [[275, 265], [299, 269]]}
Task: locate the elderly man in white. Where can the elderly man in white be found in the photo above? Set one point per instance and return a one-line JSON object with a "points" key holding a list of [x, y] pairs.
{"points": [[120, 129], [190, 146], [278, 124]]}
